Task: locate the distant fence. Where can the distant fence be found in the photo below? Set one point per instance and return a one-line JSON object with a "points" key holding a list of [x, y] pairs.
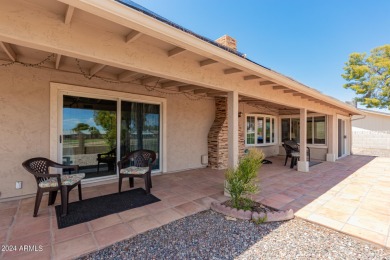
{"points": [[376, 143]]}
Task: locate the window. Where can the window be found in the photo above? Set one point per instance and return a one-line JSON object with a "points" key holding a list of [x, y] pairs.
{"points": [[319, 131], [315, 130], [295, 126], [260, 130], [250, 130], [285, 129]]}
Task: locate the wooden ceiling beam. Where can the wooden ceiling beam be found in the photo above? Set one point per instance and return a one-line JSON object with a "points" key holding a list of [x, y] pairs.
{"points": [[207, 62], [189, 88], [173, 84], [251, 77], [149, 80], [289, 91], [69, 14], [205, 90], [58, 61], [301, 95], [231, 71], [175, 51], [216, 94], [278, 87], [133, 36], [257, 102], [127, 75], [248, 100], [8, 50], [267, 83], [96, 68]]}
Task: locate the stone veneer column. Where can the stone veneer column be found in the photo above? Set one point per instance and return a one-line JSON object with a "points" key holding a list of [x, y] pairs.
{"points": [[218, 137]]}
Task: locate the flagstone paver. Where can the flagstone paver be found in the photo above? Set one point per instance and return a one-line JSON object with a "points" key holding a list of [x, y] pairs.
{"points": [[350, 196]]}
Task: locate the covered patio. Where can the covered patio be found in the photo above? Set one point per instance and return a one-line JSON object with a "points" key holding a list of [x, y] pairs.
{"points": [[342, 195]]}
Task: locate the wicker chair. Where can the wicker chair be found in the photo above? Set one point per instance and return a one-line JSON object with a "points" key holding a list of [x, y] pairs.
{"points": [[291, 146], [52, 183], [109, 158], [137, 164]]}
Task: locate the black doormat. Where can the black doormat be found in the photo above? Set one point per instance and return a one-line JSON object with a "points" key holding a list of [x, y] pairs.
{"points": [[312, 163], [90, 209]]}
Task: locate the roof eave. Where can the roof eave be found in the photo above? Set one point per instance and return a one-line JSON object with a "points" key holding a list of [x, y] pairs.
{"points": [[131, 18]]}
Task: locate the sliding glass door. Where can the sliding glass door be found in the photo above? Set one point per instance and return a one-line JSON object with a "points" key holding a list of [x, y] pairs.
{"points": [[90, 134], [140, 128]]}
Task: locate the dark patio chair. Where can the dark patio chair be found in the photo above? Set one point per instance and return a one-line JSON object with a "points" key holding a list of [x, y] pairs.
{"points": [[53, 183], [137, 164], [109, 158], [291, 146]]}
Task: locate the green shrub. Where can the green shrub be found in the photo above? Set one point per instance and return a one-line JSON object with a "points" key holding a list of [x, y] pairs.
{"points": [[241, 181]]}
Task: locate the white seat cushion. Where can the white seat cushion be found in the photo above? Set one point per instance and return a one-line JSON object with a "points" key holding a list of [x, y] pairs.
{"points": [[295, 154], [135, 170], [66, 180]]}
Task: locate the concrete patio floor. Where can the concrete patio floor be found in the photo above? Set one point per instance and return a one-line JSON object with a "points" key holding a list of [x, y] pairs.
{"points": [[351, 195]]}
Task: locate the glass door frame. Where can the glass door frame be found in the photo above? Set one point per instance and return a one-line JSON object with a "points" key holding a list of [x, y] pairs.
{"points": [[58, 90]]}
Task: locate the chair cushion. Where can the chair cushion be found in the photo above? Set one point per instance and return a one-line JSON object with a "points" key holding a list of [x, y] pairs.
{"points": [[295, 154], [135, 170], [66, 180]]}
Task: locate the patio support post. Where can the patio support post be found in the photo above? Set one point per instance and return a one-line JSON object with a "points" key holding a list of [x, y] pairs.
{"points": [[331, 156], [303, 164], [232, 106]]}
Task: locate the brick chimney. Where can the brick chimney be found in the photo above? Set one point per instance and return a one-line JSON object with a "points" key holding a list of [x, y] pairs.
{"points": [[227, 41]]}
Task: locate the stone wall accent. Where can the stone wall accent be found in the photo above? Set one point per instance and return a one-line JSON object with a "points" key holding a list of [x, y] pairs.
{"points": [[218, 137], [241, 140]]}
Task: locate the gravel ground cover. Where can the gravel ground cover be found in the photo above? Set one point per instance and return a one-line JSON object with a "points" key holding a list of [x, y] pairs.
{"points": [[208, 235]]}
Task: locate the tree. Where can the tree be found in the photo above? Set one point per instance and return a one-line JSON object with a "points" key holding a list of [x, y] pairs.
{"points": [[107, 120], [369, 77], [94, 132], [80, 127]]}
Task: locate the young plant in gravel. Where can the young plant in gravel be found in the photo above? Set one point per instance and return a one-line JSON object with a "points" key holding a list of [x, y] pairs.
{"points": [[260, 220], [241, 181]]}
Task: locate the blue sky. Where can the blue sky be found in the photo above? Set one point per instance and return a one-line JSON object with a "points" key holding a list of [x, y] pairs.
{"points": [[307, 40], [73, 116]]}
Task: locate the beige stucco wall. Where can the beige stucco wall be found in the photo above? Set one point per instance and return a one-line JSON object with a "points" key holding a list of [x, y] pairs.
{"points": [[372, 122], [24, 123], [371, 135]]}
